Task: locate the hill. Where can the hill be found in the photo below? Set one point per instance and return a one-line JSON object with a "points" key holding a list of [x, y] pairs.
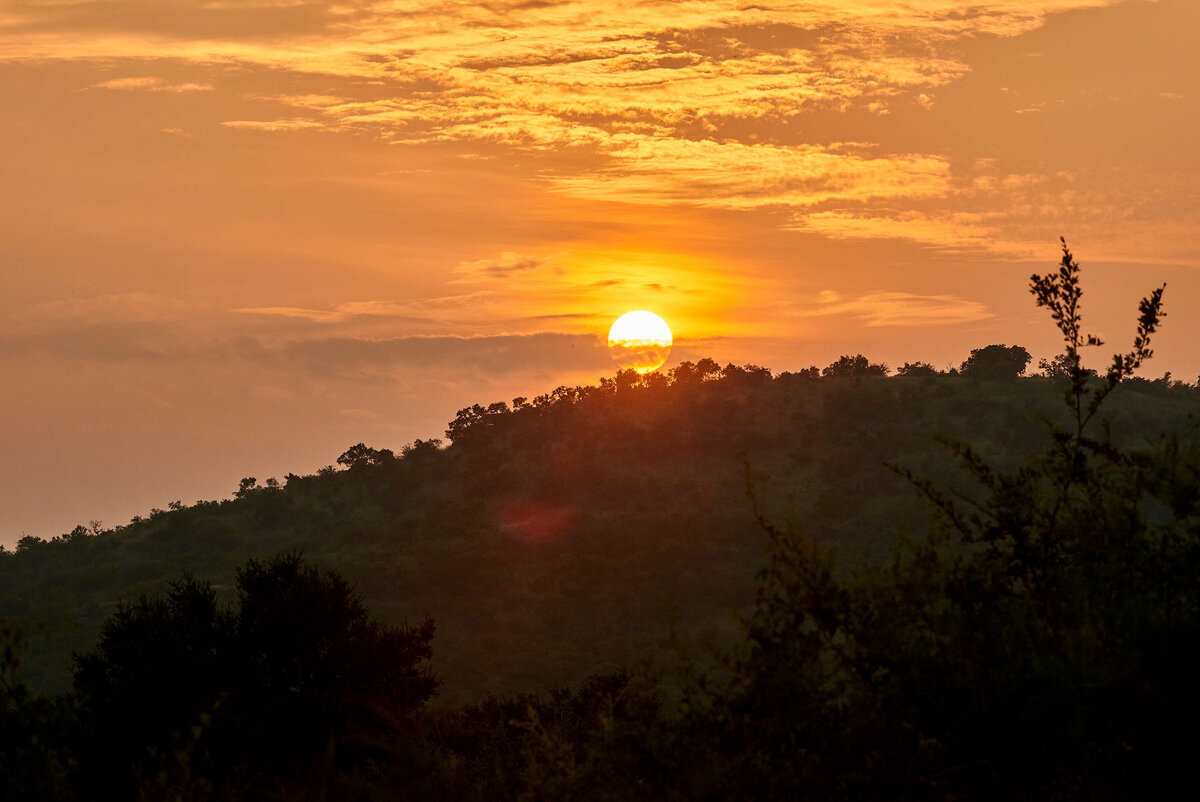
{"points": [[584, 529]]}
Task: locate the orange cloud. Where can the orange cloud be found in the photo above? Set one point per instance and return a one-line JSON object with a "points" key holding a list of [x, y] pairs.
{"points": [[740, 176], [656, 102], [151, 84], [900, 309]]}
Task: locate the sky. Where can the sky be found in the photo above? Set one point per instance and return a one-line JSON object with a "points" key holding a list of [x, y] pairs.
{"points": [[239, 236]]}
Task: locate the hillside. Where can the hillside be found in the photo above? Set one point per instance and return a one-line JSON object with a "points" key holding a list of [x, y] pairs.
{"points": [[585, 529]]}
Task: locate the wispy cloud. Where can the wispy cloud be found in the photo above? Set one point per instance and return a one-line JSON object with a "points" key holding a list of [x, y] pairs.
{"points": [[349, 310], [275, 125], [708, 103], [126, 307], [315, 315], [657, 98], [741, 176], [945, 228], [505, 265], [484, 355], [900, 309], [151, 85], [142, 327]]}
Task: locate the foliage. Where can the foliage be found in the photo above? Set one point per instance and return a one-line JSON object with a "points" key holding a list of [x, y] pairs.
{"points": [[34, 759], [1059, 367], [297, 686], [361, 454], [1060, 293], [996, 362], [857, 366], [916, 369]]}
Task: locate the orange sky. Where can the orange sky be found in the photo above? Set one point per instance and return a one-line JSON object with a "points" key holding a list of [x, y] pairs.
{"points": [[238, 236]]}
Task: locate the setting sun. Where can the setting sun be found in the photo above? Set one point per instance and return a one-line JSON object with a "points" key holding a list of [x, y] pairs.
{"points": [[640, 341]]}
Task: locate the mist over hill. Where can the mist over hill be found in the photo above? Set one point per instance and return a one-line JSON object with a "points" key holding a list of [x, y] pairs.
{"points": [[588, 528]]}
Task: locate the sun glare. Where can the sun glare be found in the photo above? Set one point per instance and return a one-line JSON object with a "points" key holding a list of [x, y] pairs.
{"points": [[640, 341]]}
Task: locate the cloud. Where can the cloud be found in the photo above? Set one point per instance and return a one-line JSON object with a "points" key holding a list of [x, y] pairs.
{"points": [[506, 265], [107, 328], [151, 85], [414, 310], [708, 103], [739, 176], [128, 307], [546, 75], [293, 124], [583, 317], [900, 309], [96, 342], [945, 228], [484, 355], [315, 315], [141, 327]]}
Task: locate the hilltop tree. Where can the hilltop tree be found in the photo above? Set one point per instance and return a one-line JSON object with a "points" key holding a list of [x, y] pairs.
{"points": [[916, 369], [361, 454], [857, 366], [420, 449], [688, 374], [469, 421], [996, 362]]}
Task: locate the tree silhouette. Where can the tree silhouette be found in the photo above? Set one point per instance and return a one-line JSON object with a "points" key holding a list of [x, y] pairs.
{"points": [[361, 454], [34, 748], [916, 369], [996, 362], [294, 687], [857, 366], [1060, 293]]}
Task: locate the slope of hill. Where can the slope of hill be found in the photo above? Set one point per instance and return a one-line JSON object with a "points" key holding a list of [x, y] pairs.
{"points": [[589, 528]]}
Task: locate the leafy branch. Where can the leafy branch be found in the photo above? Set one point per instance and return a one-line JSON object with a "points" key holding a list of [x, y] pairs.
{"points": [[1060, 293]]}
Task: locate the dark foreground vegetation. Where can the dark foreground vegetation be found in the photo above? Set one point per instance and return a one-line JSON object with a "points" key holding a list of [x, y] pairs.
{"points": [[1038, 639]]}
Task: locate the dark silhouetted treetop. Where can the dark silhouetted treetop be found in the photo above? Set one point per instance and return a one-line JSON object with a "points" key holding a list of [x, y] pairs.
{"points": [[419, 448], [812, 372], [916, 369], [691, 373], [361, 454], [1059, 367], [745, 375], [857, 366], [996, 362], [476, 417], [29, 543], [284, 689]]}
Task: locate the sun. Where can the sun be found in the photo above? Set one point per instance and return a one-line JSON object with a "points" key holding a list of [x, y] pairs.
{"points": [[640, 341]]}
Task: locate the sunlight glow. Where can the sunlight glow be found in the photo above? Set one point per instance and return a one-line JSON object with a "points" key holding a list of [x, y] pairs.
{"points": [[640, 341]]}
